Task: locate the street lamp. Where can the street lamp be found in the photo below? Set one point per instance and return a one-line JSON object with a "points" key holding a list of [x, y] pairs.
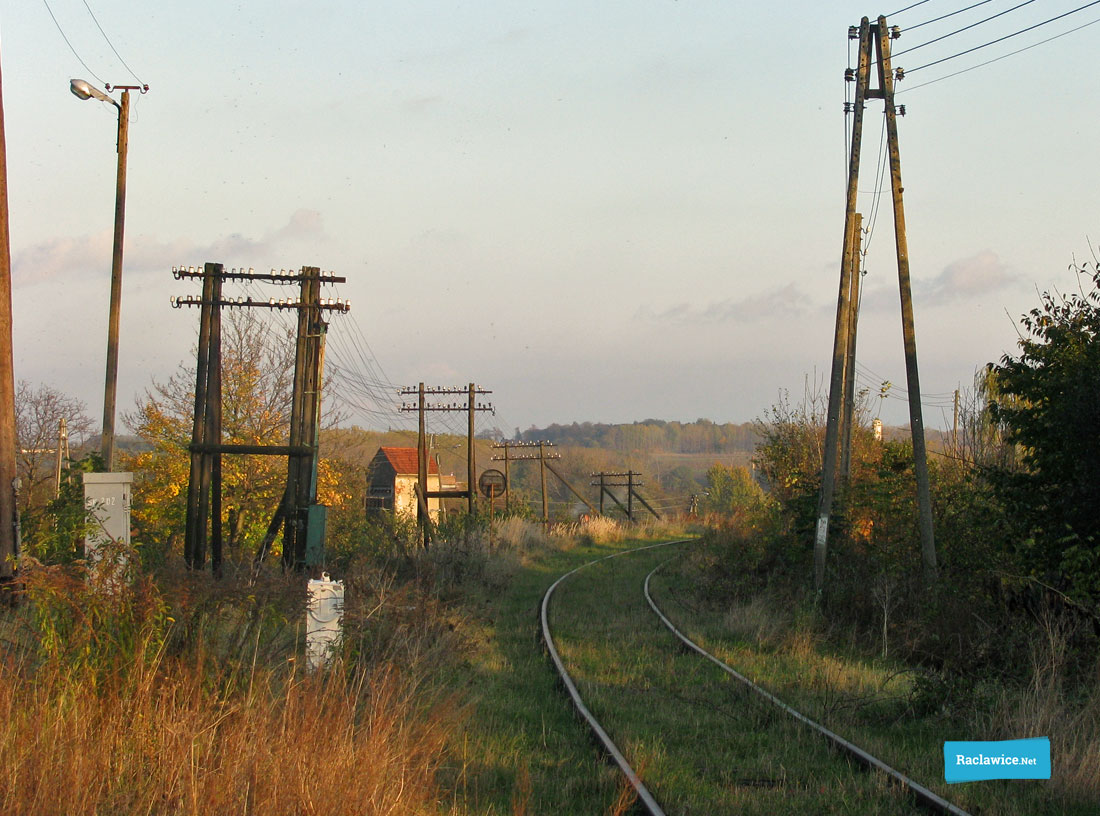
{"points": [[84, 90]]}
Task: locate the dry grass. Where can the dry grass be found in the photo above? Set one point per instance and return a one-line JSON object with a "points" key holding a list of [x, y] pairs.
{"points": [[1045, 708], [137, 721]]}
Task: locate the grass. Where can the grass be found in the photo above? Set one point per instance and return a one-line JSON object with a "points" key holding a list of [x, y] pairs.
{"points": [[702, 743], [882, 706], [125, 696], [521, 749]]}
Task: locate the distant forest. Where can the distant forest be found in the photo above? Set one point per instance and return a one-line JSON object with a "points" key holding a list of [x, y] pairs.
{"points": [[650, 435]]}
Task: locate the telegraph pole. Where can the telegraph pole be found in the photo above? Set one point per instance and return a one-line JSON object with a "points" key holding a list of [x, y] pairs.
{"points": [[875, 37], [9, 518], [848, 412], [631, 486], [843, 316], [300, 518], [471, 407], [916, 419]]}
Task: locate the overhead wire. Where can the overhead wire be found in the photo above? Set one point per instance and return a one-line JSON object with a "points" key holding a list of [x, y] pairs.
{"points": [[909, 28], [907, 8], [111, 44], [1006, 37], [61, 31], [960, 30], [998, 59]]}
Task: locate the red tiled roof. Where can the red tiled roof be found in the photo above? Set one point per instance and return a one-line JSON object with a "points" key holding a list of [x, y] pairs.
{"points": [[404, 460]]}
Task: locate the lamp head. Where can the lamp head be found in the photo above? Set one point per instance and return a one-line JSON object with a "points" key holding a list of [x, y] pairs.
{"points": [[82, 89]]}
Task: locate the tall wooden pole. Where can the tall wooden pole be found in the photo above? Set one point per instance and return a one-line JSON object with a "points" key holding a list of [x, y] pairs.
{"points": [[848, 414], [194, 539], [916, 420], [507, 483], [542, 473], [8, 514], [843, 316], [422, 515], [471, 456], [214, 427], [111, 381]]}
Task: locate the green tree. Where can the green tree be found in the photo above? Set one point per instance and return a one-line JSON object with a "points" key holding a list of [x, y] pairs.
{"points": [[1048, 401], [730, 490]]}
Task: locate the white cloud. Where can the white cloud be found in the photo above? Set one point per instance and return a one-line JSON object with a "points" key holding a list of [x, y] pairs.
{"points": [[784, 302], [85, 254], [972, 277]]}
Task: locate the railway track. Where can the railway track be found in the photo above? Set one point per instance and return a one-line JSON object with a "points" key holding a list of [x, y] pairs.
{"points": [[681, 649]]}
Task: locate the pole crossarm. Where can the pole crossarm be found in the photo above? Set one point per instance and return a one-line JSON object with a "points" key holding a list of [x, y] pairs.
{"points": [[282, 276], [526, 457], [336, 305]]}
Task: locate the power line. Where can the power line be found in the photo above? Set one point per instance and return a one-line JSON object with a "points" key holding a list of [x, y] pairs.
{"points": [[1003, 56], [945, 16], [961, 30], [112, 45], [66, 39], [907, 8], [1006, 37]]}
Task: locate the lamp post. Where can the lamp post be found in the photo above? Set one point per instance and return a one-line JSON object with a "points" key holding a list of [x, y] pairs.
{"points": [[84, 90]]}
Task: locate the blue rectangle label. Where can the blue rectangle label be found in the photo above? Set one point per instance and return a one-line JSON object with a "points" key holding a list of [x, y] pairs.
{"points": [[999, 759]]}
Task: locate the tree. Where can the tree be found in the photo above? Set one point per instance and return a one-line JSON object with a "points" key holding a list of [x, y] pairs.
{"points": [[731, 489], [39, 412], [1048, 401], [257, 382]]}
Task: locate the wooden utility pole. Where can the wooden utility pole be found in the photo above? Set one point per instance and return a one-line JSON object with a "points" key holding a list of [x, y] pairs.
{"points": [[61, 455], [471, 455], [423, 517], [916, 419], [875, 37], [542, 477], [847, 416], [843, 316], [9, 518], [298, 504], [632, 493], [471, 407], [955, 425], [543, 456]]}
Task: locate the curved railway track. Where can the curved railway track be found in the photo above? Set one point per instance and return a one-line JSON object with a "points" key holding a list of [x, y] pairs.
{"points": [[922, 795]]}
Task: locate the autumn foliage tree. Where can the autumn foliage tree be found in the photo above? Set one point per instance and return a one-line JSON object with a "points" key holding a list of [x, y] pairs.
{"points": [[257, 380]]}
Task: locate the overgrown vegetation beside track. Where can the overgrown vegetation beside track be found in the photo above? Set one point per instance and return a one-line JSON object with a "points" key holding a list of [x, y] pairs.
{"points": [[143, 688], [1004, 644]]}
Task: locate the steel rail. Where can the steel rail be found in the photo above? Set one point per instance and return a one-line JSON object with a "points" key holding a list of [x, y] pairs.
{"points": [[644, 796], [919, 792]]}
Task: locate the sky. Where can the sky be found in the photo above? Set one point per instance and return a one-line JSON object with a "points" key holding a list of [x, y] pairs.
{"points": [[600, 212]]}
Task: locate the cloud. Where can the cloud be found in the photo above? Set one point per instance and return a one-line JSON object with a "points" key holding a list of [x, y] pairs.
{"points": [[86, 254], [787, 301], [971, 277], [966, 279]]}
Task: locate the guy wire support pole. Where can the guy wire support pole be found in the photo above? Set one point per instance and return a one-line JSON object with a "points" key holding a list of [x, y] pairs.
{"points": [[843, 316], [848, 411], [916, 420]]}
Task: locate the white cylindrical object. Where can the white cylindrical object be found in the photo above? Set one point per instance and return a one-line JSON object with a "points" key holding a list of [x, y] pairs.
{"points": [[324, 614]]}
